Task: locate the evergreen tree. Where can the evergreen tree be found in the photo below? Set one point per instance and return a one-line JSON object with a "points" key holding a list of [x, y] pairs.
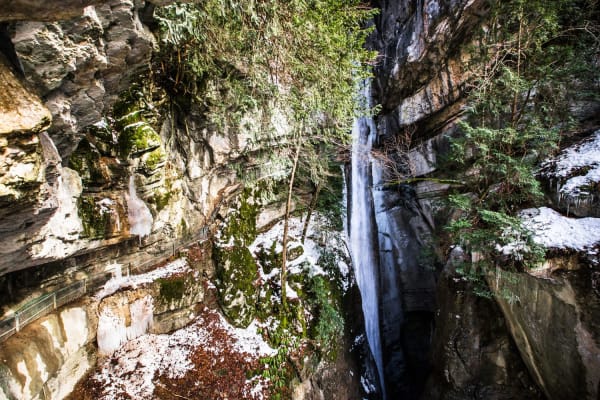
{"points": [[532, 61]]}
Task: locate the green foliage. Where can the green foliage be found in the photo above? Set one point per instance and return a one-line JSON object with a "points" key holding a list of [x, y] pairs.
{"points": [[534, 59], [501, 165], [330, 323], [528, 69], [330, 202], [256, 49], [302, 58], [278, 367]]}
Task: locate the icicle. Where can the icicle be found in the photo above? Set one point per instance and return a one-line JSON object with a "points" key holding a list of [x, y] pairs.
{"points": [[142, 314], [111, 332]]}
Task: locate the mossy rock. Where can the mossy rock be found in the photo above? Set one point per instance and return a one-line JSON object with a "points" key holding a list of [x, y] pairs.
{"points": [[161, 199], [94, 217], [102, 136], [242, 223], [137, 138], [171, 289], [86, 161], [266, 306], [153, 160], [268, 258], [295, 252], [237, 273], [136, 135]]}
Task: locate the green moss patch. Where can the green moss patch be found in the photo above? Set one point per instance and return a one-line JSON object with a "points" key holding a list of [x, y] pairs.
{"points": [[94, 218], [172, 288], [136, 135], [86, 161], [237, 273], [137, 138], [153, 160]]}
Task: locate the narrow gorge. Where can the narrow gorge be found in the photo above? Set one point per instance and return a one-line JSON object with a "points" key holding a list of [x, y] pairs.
{"points": [[318, 200]]}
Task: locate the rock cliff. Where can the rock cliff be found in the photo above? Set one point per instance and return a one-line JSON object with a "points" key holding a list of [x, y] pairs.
{"points": [[79, 123], [477, 347]]}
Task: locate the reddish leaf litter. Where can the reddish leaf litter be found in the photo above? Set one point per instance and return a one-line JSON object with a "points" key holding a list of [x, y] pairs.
{"points": [[209, 360]]}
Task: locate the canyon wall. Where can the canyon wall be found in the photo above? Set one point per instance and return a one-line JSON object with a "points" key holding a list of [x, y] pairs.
{"points": [[443, 341], [80, 123]]}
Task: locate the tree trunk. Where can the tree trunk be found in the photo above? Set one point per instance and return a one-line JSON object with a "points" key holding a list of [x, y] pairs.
{"points": [[311, 208], [288, 206]]}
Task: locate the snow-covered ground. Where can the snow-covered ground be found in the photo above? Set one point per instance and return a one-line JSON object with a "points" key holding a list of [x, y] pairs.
{"points": [[169, 362]]}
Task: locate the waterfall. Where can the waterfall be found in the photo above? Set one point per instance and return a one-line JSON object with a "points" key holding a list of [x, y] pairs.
{"points": [[140, 218], [363, 238]]}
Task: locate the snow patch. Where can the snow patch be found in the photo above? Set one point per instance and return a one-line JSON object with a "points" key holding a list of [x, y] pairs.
{"points": [[577, 168], [134, 367], [318, 239], [553, 230], [118, 281]]}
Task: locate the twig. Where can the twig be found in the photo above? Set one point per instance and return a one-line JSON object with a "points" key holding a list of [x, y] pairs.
{"points": [[174, 394]]}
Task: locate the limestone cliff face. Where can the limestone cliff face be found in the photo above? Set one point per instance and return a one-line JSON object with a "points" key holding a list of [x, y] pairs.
{"points": [[49, 356], [554, 323], [77, 123], [419, 81], [422, 61]]}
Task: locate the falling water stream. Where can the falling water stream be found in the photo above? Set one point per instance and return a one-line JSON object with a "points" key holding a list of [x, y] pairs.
{"points": [[140, 217], [363, 233]]}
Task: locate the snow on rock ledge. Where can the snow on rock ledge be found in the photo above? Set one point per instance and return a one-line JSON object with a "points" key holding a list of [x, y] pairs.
{"points": [[577, 239], [574, 177], [136, 369], [555, 231]]}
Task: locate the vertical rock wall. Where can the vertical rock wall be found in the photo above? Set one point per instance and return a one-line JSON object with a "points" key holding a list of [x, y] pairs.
{"points": [[80, 121], [479, 350]]}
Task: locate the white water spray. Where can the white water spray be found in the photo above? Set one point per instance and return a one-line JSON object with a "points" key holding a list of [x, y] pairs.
{"points": [[362, 234], [140, 218]]}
